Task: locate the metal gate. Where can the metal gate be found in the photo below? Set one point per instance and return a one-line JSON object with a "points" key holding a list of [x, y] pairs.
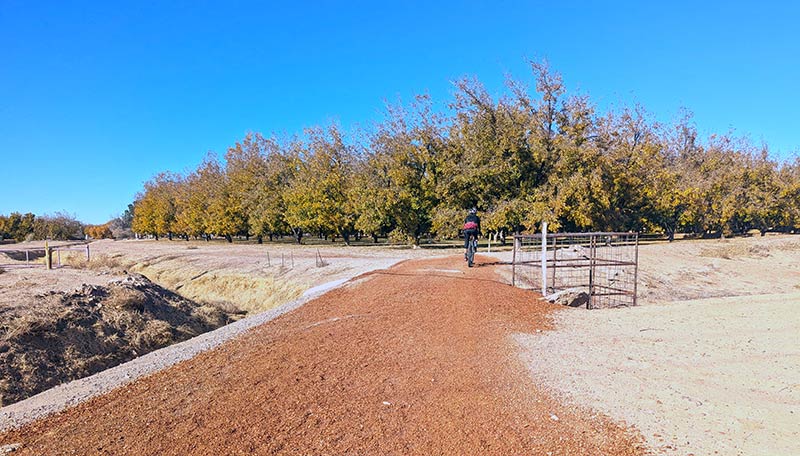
{"points": [[602, 265]]}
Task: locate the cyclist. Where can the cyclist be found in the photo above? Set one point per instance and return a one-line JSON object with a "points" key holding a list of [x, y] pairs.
{"points": [[472, 227]]}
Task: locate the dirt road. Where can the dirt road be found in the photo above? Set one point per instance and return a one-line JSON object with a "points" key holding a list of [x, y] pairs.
{"points": [[416, 359]]}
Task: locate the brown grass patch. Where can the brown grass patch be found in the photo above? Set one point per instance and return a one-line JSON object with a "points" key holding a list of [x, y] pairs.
{"points": [[731, 250]]}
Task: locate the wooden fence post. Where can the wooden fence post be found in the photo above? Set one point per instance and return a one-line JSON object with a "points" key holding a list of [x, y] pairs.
{"points": [[48, 256]]}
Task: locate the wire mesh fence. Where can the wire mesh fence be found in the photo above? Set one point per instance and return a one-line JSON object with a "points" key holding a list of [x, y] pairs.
{"points": [[603, 266]]}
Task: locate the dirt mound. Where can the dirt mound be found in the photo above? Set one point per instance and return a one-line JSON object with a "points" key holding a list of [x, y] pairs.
{"points": [[69, 335]]}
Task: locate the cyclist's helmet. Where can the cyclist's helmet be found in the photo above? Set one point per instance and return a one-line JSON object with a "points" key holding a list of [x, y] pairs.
{"points": [[473, 210]]}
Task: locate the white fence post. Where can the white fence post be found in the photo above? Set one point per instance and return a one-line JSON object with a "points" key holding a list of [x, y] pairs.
{"points": [[544, 258]]}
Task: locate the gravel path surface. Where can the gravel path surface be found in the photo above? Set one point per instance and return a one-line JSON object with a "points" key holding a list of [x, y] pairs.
{"points": [[417, 359]]}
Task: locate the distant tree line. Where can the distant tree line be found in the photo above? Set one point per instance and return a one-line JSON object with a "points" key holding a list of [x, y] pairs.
{"points": [[28, 227], [521, 159], [61, 226]]}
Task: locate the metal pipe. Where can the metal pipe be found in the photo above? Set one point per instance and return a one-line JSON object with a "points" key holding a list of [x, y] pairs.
{"points": [[544, 258], [635, 267], [514, 262]]}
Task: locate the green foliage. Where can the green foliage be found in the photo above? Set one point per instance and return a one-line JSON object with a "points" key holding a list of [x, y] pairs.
{"points": [[27, 227], [156, 207], [16, 226], [522, 158], [318, 198]]}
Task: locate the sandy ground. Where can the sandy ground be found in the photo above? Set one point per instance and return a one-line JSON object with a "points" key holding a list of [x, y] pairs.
{"points": [[714, 376], [685, 270], [697, 374], [417, 359], [20, 286]]}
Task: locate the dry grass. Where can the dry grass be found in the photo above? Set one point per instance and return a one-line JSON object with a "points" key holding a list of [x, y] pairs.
{"points": [[732, 250], [228, 291], [99, 262], [251, 294]]}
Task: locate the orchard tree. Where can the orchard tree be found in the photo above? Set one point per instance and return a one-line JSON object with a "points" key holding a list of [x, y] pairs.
{"points": [[225, 213], [318, 198], [155, 209], [407, 146], [372, 196]]}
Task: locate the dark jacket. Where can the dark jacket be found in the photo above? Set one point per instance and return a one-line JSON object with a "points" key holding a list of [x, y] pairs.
{"points": [[474, 218]]}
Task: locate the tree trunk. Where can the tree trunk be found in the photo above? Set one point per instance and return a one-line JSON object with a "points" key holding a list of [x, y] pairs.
{"points": [[229, 238], [169, 236], [374, 238], [346, 237], [260, 239], [298, 234], [156, 236]]}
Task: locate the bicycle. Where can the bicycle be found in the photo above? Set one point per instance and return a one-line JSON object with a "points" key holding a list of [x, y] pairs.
{"points": [[472, 247]]}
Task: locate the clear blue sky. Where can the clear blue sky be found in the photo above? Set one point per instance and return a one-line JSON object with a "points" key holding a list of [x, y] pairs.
{"points": [[100, 96]]}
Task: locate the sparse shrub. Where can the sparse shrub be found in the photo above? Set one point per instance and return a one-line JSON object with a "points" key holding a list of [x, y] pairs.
{"points": [[761, 251]]}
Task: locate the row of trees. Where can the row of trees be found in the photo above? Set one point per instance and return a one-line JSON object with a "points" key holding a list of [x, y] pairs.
{"points": [[27, 227], [62, 226], [521, 159]]}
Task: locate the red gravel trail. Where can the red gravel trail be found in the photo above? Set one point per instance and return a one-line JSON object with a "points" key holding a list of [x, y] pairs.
{"points": [[416, 359]]}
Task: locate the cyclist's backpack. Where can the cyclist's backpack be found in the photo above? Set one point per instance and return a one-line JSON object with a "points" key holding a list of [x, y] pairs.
{"points": [[470, 226]]}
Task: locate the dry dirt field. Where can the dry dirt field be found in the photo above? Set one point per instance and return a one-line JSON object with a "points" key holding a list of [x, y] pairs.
{"points": [[709, 363]]}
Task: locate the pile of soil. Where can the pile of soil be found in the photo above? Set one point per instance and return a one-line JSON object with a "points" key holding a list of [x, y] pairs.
{"points": [[70, 335]]}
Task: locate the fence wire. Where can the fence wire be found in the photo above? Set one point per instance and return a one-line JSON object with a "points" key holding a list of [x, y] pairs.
{"points": [[602, 265]]}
